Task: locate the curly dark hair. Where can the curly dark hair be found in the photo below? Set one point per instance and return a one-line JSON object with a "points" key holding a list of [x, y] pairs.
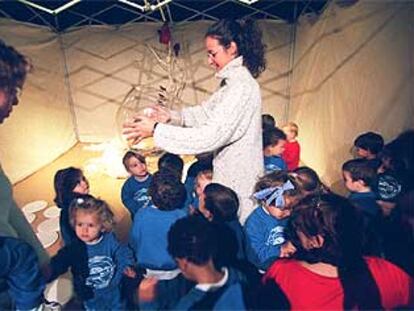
{"points": [[222, 202], [65, 181], [373, 142], [13, 67], [171, 163], [167, 192], [194, 239], [248, 38]]}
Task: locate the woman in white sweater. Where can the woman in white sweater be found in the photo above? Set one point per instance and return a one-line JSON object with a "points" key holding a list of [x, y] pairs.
{"points": [[229, 122]]}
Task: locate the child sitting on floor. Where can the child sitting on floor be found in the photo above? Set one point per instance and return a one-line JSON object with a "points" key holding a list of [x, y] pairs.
{"points": [[69, 184], [134, 190], [148, 237], [369, 145], [359, 178], [171, 163], [266, 241], [97, 259], [193, 243]]}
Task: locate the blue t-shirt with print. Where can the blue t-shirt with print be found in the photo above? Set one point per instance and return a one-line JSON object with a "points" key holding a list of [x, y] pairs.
{"points": [[264, 237], [134, 194], [274, 163]]}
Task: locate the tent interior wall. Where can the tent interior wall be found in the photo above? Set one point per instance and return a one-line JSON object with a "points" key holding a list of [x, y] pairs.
{"points": [[347, 71]]}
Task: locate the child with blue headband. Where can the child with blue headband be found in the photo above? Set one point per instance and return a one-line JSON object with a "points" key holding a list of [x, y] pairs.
{"points": [[276, 193]]}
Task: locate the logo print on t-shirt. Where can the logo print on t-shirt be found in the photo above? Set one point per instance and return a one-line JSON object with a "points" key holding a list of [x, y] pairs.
{"points": [[101, 271], [141, 196], [276, 236]]}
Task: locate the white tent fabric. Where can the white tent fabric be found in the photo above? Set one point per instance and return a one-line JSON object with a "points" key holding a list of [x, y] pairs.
{"points": [[41, 126], [353, 73]]}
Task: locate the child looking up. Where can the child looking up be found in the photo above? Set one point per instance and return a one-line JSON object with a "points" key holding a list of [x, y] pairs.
{"points": [[291, 155], [134, 191], [276, 193], [193, 243], [274, 141], [69, 183], [97, 259]]}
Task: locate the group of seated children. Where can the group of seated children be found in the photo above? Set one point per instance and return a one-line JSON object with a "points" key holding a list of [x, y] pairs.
{"points": [[188, 250]]}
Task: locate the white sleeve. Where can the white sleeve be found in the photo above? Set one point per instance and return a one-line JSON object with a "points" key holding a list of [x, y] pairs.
{"points": [[196, 116], [226, 123]]}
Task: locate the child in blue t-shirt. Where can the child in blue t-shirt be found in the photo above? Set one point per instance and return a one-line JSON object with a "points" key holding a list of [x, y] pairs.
{"points": [[359, 178], [97, 259], [148, 237], [276, 193], [219, 205], [274, 141], [134, 191]]}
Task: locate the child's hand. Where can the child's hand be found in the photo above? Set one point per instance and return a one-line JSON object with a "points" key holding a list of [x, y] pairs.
{"points": [[130, 272], [191, 210], [287, 250], [147, 289]]}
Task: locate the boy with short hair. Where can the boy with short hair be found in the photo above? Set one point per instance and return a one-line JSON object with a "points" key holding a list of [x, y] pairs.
{"points": [[359, 178], [134, 191], [274, 141], [369, 145], [291, 155], [171, 163], [193, 243], [148, 237]]}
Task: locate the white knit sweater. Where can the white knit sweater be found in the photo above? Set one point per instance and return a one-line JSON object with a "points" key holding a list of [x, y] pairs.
{"points": [[228, 123]]}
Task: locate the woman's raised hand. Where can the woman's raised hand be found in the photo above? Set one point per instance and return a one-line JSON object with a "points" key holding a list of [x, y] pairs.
{"points": [[160, 114], [138, 128]]}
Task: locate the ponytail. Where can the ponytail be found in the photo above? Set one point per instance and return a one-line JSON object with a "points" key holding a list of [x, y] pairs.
{"points": [[334, 218], [252, 48], [360, 290]]}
